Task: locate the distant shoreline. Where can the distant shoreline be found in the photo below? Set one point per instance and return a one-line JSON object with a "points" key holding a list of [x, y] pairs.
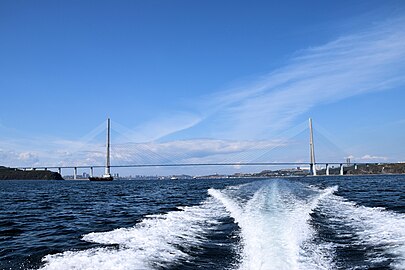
{"points": [[7, 173]]}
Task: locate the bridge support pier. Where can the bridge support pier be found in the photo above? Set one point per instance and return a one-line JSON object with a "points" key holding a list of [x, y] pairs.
{"points": [[312, 169], [327, 169], [75, 173], [341, 169], [91, 171], [60, 171]]}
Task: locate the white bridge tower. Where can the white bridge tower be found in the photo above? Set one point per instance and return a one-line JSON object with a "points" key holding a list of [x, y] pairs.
{"points": [[107, 163], [312, 167]]}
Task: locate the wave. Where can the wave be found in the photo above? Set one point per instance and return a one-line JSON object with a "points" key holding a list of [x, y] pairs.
{"points": [[157, 241], [280, 223], [275, 228], [380, 233]]}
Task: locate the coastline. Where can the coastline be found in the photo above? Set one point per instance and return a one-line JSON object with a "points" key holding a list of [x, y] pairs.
{"points": [[7, 173]]}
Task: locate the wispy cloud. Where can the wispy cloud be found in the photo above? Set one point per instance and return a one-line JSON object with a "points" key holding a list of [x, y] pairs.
{"points": [[193, 151], [371, 157], [368, 158], [355, 64], [183, 151], [159, 127]]}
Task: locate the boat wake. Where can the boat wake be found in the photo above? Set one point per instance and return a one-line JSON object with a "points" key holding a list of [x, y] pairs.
{"points": [[157, 241], [274, 225], [378, 233], [279, 223]]}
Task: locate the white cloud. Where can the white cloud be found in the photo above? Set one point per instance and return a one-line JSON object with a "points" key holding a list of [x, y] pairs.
{"points": [[158, 127], [184, 151], [367, 157], [27, 156], [363, 62], [11, 157], [371, 157], [191, 151]]}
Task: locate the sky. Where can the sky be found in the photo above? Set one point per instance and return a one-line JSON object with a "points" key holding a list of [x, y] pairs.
{"points": [[201, 81]]}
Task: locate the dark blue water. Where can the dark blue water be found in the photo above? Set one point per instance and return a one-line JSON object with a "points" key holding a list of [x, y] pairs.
{"points": [[299, 223]]}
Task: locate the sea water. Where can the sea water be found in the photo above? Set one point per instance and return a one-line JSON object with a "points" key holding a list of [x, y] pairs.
{"points": [[335, 222]]}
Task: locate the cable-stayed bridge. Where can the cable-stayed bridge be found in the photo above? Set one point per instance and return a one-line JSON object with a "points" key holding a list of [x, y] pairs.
{"points": [[202, 153]]}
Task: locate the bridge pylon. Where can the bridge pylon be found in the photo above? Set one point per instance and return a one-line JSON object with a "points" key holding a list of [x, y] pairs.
{"points": [[312, 167]]}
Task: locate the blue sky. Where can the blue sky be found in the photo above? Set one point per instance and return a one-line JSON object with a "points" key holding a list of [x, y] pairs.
{"points": [[199, 77]]}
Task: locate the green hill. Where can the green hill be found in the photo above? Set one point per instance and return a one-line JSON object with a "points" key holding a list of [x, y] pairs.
{"points": [[16, 174], [380, 168]]}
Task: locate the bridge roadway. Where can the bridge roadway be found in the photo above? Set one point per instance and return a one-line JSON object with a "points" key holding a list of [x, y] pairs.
{"points": [[91, 167], [196, 164]]}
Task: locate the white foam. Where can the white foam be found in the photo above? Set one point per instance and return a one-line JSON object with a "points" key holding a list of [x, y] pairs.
{"points": [[274, 227], [273, 217], [153, 242], [375, 227]]}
